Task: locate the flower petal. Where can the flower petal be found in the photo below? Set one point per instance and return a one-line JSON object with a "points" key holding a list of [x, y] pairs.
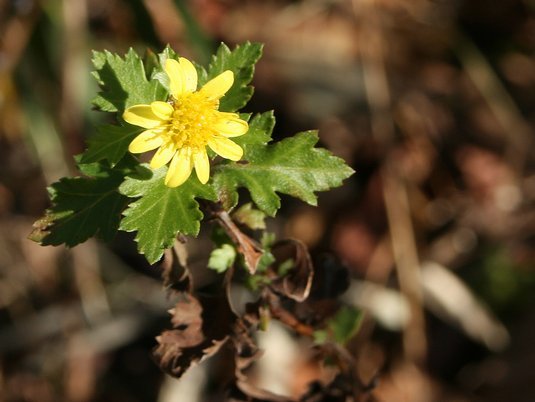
{"points": [[226, 148], [143, 116], [218, 86], [230, 125], [190, 74], [202, 165], [162, 109], [163, 155], [177, 78], [146, 141], [180, 168]]}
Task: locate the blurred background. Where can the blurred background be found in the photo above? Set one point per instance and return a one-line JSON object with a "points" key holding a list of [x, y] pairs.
{"points": [[431, 102]]}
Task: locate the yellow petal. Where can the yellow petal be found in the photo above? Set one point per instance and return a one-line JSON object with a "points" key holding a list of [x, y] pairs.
{"points": [[177, 79], [202, 165], [162, 109], [218, 86], [143, 116], [230, 125], [190, 74], [226, 148], [163, 155], [180, 168], [146, 141]]}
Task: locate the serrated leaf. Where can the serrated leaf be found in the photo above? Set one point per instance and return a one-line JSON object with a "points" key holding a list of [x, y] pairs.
{"points": [[259, 133], [82, 207], [162, 212], [123, 82], [222, 258], [110, 143], [126, 166], [241, 61], [292, 166]]}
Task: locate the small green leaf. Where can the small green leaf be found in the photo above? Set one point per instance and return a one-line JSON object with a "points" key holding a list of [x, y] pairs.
{"points": [[241, 61], [110, 143], [345, 324], [158, 73], [162, 212], [268, 240], [250, 217], [320, 336], [341, 328], [285, 267], [123, 82], [260, 129], [265, 261], [292, 166], [222, 258], [82, 207]]}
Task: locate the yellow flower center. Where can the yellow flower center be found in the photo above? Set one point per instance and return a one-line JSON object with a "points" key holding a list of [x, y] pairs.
{"points": [[191, 124]]}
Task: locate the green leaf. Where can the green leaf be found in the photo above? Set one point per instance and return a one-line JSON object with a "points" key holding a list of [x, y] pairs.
{"points": [[222, 258], [250, 217], [82, 207], [162, 212], [123, 82], [341, 328], [241, 61], [158, 72], [345, 324], [259, 133], [110, 143], [292, 166], [126, 166], [267, 240]]}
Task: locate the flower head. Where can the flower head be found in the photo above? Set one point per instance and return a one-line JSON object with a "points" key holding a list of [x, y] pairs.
{"points": [[182, 128]]}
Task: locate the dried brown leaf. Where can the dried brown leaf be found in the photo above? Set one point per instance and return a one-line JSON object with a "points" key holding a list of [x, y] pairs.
{"points": [[247, 352], [249, 248], [175, 272], [246, 392], [297, 280], [200, 328]]}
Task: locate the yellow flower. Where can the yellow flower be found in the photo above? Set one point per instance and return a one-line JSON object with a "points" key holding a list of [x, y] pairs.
{"points": [[183, 127]]}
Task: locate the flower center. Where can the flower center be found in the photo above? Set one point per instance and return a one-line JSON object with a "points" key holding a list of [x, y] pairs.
{"points": [[193, 119]]}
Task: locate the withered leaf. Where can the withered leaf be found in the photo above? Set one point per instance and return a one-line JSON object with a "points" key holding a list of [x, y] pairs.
{"points": [[200, 328], [249, 248], [247, 352], [293, 258], [341, 389], [175, 272], [246, 392]]}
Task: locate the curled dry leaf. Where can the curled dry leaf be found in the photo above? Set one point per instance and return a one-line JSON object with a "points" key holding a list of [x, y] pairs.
{"points": [[341, 389], [246, 353], [246, 392], [293, 269], [175, 272], [200, 328]]}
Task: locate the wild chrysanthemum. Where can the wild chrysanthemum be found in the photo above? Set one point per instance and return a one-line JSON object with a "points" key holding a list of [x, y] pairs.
{"points": [[183, 127]]}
